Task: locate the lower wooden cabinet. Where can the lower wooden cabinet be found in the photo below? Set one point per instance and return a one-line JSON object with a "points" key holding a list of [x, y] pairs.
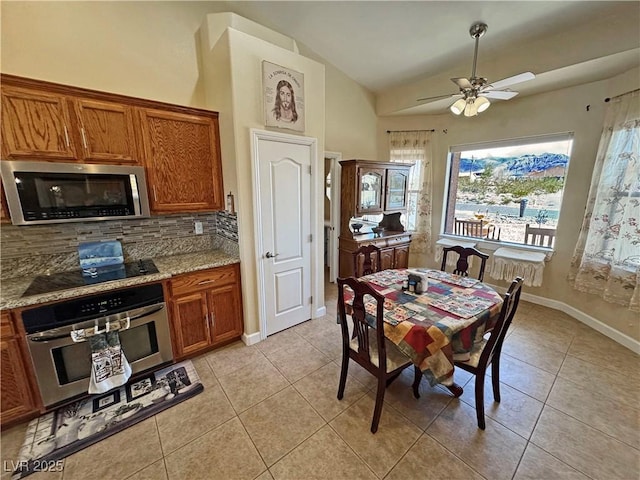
{"points": [[394, 251], [206, 309], [17, 400]]}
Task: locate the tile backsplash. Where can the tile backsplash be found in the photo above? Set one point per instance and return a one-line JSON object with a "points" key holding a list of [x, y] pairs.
{"points": [[41, 249]]}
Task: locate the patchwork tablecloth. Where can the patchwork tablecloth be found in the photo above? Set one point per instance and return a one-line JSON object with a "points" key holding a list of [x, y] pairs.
{"points": [[436, 326]]}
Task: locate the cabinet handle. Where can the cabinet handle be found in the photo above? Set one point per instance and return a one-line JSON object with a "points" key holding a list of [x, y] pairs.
{"points": [[155, 195], [205, 281], [206, 321], [84, 139], [66, 135]]}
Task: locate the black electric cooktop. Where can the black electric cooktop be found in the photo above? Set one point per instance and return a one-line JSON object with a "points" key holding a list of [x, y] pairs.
{"points": [[78, 278]]}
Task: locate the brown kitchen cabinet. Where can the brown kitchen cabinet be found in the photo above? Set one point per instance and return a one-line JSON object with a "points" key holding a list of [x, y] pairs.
{"points": [[206, 309], [182, 160], [106, 132], [41, 121], [17, 401], [36, 125]]}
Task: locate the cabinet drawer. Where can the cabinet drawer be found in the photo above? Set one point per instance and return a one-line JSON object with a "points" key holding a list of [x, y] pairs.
{"points": [[204, 279], [398, 240]]}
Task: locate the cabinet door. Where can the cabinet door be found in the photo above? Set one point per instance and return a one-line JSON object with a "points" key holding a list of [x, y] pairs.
{"points": [[191, 323], [35, 125], [401, 257], [15, 399], [106, 132], [226, 313], [396, 194], [370, 189], [386, 259], [181, 155]]}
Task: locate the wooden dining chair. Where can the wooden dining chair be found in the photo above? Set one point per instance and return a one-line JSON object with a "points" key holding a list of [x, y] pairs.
{"points": [[371, 261], [542, 237], [363, 341], [468, 228], [488, 350], [462, 266]]}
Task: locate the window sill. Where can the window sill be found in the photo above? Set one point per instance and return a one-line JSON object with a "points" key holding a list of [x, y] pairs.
{"points": [[493, 245]]}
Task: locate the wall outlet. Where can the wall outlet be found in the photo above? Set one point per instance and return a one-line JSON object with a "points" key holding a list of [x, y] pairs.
{"points": [[198, 228]]}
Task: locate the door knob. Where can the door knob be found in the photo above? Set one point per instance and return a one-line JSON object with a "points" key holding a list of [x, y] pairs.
{"points": [[271, 255]]}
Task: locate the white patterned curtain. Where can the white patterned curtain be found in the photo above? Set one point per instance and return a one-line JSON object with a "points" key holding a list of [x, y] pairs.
{"points": [[606, 261], [415, 147]]}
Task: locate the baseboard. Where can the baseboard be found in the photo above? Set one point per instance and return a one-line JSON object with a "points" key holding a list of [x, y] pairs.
{"points": [[320, 312], [606, 330], [251, 339]]}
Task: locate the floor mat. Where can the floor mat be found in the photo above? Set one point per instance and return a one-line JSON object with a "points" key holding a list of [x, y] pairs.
{"points": [[58, 434]]}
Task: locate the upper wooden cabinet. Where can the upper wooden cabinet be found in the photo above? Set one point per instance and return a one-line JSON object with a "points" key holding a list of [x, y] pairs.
{"points": [[36, 125], [369, 187], [182, 159], [179, 146], [106, 132], [40, 124]]}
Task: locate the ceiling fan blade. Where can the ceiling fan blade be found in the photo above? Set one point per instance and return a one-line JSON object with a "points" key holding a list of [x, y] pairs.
{"points": [[462, 83], [506, 82], [439, 97], [498, 94]]}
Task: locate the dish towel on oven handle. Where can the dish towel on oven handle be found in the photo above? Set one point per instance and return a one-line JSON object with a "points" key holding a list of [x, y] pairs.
{"points": [[109, 366]]}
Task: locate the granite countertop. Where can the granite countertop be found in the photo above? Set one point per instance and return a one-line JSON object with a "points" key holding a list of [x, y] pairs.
{"points": [[11, 289]]}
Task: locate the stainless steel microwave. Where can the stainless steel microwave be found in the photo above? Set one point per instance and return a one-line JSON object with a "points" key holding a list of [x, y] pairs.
{"points": [[47, 192]]}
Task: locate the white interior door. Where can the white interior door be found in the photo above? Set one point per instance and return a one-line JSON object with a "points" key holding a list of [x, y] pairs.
{"points": [[283, 166]]}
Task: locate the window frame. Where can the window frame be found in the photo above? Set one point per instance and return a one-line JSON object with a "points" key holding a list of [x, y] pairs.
{"points": [[449, 200]]}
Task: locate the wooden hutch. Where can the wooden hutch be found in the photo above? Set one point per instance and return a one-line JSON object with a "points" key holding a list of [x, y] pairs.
{"points": [[372, 188]]}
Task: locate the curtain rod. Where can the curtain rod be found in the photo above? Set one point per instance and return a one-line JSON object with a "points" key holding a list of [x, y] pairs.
{"points": [[402, 131], [608, 99]]}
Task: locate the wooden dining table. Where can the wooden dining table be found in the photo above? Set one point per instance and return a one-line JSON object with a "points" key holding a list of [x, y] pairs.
{"points": [[437, 326]]}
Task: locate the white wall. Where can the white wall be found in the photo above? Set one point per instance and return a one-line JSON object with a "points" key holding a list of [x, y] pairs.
{"points": [[243, 84], [560, 111]]}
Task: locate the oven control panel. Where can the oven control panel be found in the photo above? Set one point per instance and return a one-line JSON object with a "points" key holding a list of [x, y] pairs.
{"points": [[78, 310]]}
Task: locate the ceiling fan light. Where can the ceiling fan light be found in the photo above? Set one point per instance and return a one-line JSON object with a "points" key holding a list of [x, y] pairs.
{"points": [[482, 104], [471, 110], [458, 106]]}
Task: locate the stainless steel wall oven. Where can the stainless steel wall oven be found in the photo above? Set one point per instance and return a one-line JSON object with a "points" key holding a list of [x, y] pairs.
{"points": [[63, 367]]}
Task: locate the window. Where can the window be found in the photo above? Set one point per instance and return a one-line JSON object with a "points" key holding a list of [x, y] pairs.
{"points": [[413, 188], [509, 190]]}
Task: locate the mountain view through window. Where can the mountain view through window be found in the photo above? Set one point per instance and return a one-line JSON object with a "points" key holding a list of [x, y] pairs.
{"points": [[509, 191]]}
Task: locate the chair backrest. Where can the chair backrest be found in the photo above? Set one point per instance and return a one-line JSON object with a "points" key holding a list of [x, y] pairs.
{"points": [[462, 266], [493, 233], [362, 322], [468, 228], [499, 329], [370, 260], [542, 237]]}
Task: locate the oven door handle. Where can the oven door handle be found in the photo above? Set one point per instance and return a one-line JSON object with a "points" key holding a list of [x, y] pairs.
{"points": [[146, 311]]}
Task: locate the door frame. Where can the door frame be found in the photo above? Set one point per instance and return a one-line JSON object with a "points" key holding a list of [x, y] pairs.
{"points": [[336, 175], [256, 136]]}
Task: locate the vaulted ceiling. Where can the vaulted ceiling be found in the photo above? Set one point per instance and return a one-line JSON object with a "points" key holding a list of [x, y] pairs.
{"points": [[405, 50]]}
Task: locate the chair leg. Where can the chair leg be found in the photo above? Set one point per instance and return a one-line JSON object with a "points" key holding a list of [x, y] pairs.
{"points": [[343, 375], [480, 399], [378, 408], [417, 378], [495, 378]]}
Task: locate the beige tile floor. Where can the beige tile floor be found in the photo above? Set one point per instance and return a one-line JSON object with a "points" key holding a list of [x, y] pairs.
{"points": [[269, 411]]}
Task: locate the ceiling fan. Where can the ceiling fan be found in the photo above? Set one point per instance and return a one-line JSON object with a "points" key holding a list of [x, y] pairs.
{"points": [[475, 92]]}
